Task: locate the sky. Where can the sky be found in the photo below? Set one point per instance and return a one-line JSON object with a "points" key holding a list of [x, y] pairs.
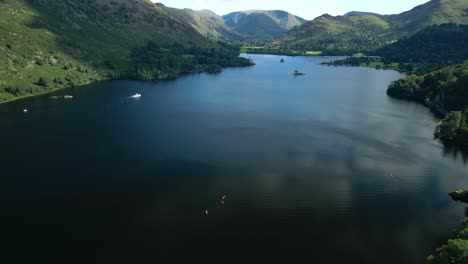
{"points": [[308, 9]]}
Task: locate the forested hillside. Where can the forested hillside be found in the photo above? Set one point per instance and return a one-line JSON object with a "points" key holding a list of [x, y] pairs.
{"points": [[441, 44]]}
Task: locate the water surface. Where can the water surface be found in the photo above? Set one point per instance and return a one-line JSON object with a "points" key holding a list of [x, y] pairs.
{"points": [[323, 166]]}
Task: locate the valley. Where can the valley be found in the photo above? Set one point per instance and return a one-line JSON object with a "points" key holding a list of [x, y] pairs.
{"points": [[351, 126]]}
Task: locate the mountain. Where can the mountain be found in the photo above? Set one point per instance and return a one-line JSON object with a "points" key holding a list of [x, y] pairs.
{"points": [[258, 24], [209, 13], [364, 32], [431, 13], [338, 35], [207, 23], [442, 44], [358, 13], [51, 44]]}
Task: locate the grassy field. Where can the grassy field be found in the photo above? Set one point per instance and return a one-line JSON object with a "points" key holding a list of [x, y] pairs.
{"points": [[245, 49], [313, 53], [380, 65]]}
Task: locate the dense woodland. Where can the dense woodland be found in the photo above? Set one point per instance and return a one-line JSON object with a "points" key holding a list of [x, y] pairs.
{"points": [[445, 88], [438, 44], [155, 62]]}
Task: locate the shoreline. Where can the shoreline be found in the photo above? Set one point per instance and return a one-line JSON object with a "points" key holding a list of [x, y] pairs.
{"points": [[50, 91], [118, 78]]}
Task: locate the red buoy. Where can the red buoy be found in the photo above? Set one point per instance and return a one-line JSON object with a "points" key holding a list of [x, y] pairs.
{"points": [[206, 212]]}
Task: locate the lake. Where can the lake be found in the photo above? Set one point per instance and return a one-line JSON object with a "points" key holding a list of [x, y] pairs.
{"points": [[323, 166]]}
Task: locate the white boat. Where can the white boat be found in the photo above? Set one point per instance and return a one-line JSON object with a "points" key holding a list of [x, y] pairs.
{"points": [[137, 95], [68, 97]]}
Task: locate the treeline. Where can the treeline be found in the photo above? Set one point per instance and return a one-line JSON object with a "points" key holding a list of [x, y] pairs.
{"points": [[445, 88], [161, 62], [342, 46], [373, 62], [353, 61], [300, 50]]}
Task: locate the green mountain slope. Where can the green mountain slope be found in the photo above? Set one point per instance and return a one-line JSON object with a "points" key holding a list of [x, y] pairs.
{"points": [[442, 44], [430, 13], [363, 32], [358, 13], [206, 23], [259, 24], [72, 42], [265, 26], [338, 35]]}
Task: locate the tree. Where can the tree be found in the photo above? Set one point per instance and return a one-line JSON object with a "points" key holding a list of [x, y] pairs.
{"points": [[43, 81]]}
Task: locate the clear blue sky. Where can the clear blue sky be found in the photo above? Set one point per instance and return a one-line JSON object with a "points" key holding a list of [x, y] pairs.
{"points": [[307, 9]]}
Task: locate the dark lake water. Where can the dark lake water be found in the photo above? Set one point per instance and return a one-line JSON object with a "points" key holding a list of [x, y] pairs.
{"points": [[321, 167]]}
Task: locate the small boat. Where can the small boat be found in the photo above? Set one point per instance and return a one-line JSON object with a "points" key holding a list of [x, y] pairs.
{"points": [[54, 97], [296, 72], [67, 97], [137, 95], [25, 110]]}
